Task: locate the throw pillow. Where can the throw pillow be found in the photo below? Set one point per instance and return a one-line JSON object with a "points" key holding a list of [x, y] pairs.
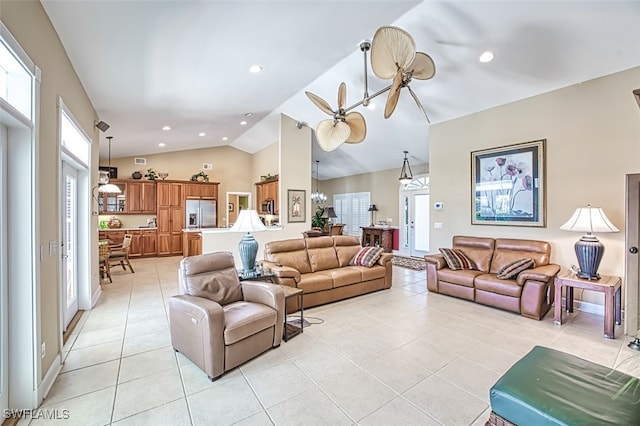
{"points": [[511, 270], [366, 256], [456, 259]]}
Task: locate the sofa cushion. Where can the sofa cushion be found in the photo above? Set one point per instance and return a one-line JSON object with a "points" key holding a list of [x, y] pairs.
{"points": [[493, 284], [456, 259], [343, 276], [346, 247], [292, 252], [322, 254], [315, 281], [508, 250], [243, 319], [212, 276], [367, 256], [479, 250], [463, 277], [511, 270], [373, 273]]}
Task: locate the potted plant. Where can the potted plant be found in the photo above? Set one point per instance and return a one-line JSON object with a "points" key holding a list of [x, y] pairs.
{"points": [[151, 174], [316, 220]]}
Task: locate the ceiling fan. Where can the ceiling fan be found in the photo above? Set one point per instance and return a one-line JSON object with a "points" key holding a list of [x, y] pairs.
{"points": [[393, 56]]}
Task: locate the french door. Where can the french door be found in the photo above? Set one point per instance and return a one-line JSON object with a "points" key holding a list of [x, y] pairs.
{"points": [[632, 261], [69, 250], [414, 214], [4, 294]]}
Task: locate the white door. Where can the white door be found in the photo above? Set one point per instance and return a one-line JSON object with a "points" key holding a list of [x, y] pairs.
{"points": [[69, 253], [4, 295], [414, 217]]}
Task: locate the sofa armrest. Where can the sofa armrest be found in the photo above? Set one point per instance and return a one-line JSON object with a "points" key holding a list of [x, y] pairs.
{"points": [[267, 294], [281, 271], [540, 273], [436, 259], [385, 258]]}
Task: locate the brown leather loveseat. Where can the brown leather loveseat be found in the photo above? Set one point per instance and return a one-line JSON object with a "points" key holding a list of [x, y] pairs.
{"points": [[530, 293], [320, 266]]}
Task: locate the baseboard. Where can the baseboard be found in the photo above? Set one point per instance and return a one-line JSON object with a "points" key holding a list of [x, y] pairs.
{"points": [[95, 296], [49, 378], [592, 308]]}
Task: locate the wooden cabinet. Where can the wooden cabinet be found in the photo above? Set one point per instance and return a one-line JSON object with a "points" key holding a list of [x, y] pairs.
{"points": [[170, 213], [206, 190], [378, 237], [149, 246], [141, 197], [135, 249], [143, 241], [191, 243], [114, 236], [267, 191], [113, 202]]}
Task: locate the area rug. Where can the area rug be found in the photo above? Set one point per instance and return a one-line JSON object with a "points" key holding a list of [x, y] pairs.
{"points": [[415, 263]]}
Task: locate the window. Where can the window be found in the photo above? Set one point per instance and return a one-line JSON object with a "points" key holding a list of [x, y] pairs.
{"points": [[74, 141], [352, 210]]}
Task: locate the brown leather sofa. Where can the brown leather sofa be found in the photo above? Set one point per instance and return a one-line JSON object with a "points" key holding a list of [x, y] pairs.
{"points": [[530, 294], [218, 322], [320, 266]]}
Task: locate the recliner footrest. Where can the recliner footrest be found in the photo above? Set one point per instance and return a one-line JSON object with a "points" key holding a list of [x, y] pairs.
{"points": [[549, 387]]}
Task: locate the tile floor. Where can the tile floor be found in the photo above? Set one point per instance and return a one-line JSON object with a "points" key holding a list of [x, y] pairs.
{"points": [[399, 356]]}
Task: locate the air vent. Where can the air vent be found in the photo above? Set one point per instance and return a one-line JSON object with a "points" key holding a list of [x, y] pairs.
{"points": [[207, 166], [140, 161]]}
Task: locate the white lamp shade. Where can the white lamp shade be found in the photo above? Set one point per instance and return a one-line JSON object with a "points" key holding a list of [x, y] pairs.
{"points": [[248, 221], [109, 188], [589, 219]]}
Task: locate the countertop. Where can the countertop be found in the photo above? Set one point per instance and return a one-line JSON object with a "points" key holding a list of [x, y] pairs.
{"points": [[139, 228], [226, 230]]}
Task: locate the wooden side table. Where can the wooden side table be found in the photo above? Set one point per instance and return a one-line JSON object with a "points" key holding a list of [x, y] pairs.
{"points": [[291, 330], [608, 285]]}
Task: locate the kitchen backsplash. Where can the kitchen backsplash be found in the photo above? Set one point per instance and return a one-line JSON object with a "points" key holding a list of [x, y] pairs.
{"points": [[129, 220]]}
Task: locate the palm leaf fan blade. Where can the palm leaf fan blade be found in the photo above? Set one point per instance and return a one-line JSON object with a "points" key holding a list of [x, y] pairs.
{"points": [[358, 127], [394, 94], [342, 95], [422, 66], [391, 48], [319, 102], [331, 134]]}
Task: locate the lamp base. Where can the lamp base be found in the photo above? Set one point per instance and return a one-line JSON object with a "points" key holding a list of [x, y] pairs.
{"points": [[589, 251], [248, 248]]}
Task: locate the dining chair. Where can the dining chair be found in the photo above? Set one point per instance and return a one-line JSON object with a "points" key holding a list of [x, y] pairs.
{"points": [[120, 254], [103, 257]]}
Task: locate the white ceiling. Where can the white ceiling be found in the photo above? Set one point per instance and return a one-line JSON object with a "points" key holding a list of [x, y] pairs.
{"points": [[150, 63]]}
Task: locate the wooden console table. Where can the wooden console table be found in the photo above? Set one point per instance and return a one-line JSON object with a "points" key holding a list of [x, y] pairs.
{"points": [[608, 285], [378, 236]]}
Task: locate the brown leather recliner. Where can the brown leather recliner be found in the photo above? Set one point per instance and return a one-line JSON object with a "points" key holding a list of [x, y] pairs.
{"points": [[217, 321]]}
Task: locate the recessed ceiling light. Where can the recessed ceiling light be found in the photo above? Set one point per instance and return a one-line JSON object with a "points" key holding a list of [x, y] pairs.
{"points": [[201, 134], [166, 128], [487, 56], [161, 144], [249, 114], [255, 69], [243, 123], [225, 138]]}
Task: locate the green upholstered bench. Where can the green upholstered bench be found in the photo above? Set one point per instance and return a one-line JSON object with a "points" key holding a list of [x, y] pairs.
{"points": [[549, 387]]}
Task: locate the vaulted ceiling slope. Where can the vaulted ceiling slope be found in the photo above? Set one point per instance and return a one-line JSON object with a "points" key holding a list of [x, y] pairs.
{"points": [[184, 64]]}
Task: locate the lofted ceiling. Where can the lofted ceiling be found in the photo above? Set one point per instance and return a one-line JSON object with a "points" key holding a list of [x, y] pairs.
{"points": [[184, 64]]}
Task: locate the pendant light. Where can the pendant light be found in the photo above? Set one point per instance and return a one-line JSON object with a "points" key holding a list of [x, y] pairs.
{"points": [[405, 174], [103, 179], [318, 197]]}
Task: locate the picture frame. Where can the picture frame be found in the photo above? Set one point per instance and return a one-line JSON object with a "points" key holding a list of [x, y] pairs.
{"points": [[296, 205], [230, 207], [508, 185]]}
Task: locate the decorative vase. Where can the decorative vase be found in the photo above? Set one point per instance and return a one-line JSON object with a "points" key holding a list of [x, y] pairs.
{"points": [[136, 175]]}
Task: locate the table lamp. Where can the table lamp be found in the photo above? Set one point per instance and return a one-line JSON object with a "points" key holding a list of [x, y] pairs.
{"points": [[373, 209], [328, 213], [589, 249], [248, 221]]}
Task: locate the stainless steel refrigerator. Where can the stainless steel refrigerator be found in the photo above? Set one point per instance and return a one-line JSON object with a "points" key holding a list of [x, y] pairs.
{"points": [[201, 214]]}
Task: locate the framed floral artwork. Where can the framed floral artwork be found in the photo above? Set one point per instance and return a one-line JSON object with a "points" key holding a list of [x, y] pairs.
{"points": [[508, 185], [296, 205]]}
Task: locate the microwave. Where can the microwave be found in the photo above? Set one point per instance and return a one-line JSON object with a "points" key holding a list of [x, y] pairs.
{"points": [[268, 206]]}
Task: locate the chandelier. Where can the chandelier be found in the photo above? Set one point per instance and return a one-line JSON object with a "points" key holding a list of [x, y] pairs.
{"points": [[318, 197], [405, 174]]}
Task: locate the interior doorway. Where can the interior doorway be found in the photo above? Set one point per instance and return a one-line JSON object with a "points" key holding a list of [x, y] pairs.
{"points": [[632, 262], [69, 245], [236, 201], [4, 316], [414, 217]]}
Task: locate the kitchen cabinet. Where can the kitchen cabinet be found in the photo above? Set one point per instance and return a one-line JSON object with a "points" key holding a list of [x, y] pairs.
{"points": [[378, 237], [149, 246], [206, 190], [135, 249], [267, 191], [109, 202], [191, 243], [114, 236], [141, 197], [143, 241], [170, 213]]}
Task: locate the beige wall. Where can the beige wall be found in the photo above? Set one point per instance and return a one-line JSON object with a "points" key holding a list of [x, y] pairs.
{"points": [[384, 187], [29, 24], [593, 139]]}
